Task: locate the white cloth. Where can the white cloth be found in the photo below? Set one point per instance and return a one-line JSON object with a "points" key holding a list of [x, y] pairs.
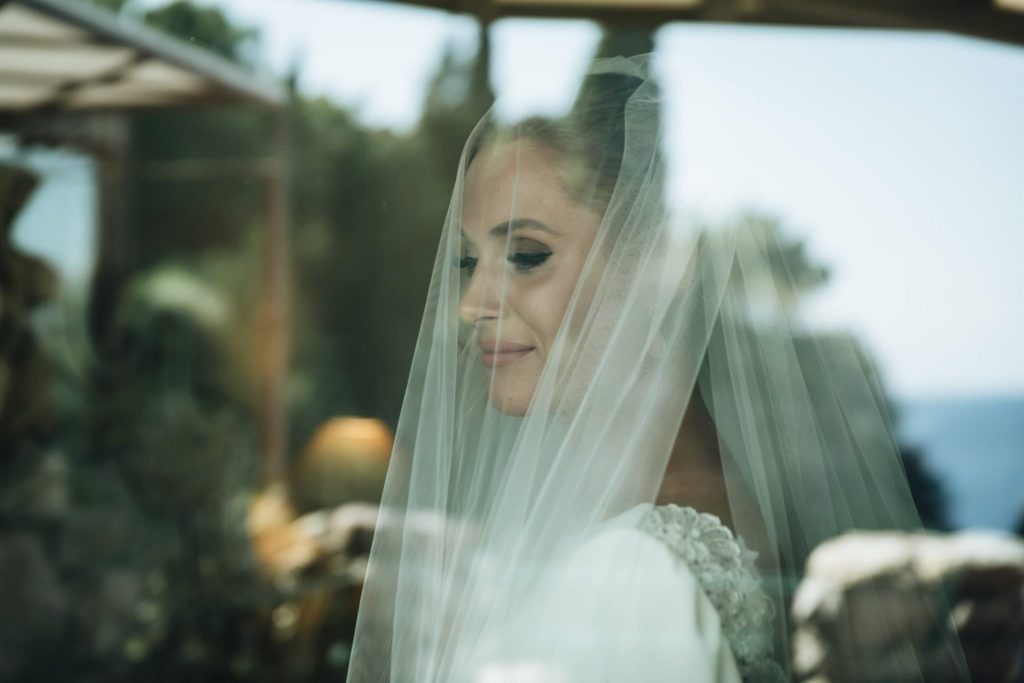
{"points": [[628, 606]]}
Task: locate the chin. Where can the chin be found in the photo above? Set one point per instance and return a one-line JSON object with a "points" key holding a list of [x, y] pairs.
{"points": [[510, 402]]}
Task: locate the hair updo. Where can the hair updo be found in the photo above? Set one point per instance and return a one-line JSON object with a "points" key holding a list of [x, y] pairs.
{"points": [[592, 139]]}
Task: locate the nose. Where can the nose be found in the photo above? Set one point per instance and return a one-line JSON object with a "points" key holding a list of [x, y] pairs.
{"points": [[480, 296]]}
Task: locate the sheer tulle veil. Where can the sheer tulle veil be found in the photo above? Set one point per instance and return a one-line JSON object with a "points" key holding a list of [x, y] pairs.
{"points": [[578, 342]]}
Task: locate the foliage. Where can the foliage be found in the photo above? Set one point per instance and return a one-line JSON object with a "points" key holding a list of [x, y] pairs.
{"points": [[206, 27], [367, 206], [368, 211], [626, 40], [929, 493], [116, 6], [787, 271]]}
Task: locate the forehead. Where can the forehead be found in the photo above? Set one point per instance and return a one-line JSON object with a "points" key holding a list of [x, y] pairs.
{"points": [[515, 179]]}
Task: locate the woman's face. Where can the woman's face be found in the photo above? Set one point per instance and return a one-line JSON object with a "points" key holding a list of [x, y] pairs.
{"points": [[524, 244]]}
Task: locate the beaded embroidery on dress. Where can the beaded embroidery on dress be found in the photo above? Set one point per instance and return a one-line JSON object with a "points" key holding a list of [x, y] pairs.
{"points": [[724, 568]]}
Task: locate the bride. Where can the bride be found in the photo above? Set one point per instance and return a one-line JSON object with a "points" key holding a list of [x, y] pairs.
{"points": [[583, 355]]}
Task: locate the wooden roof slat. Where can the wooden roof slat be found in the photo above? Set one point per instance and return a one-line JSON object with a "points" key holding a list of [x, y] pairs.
{"points": [[54, 52]]}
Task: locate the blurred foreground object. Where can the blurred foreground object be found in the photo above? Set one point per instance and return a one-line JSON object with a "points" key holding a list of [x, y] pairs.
{"points": [[345, 462], [888, 606], [25, 283], [33, 481], [337, 481], [315, 565], [326, 542], [315, 562], [277, 547]]}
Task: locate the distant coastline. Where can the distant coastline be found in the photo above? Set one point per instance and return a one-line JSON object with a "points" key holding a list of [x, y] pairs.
{"points": [[975, 446]]}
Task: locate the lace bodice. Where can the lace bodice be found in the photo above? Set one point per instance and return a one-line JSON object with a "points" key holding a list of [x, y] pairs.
{"points": [[724, 568]]}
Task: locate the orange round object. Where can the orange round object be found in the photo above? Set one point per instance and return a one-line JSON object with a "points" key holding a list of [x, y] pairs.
{"points": [[345, 461]]}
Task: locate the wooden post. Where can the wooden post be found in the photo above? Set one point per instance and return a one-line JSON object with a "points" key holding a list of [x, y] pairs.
{"points": [[273, 409]]}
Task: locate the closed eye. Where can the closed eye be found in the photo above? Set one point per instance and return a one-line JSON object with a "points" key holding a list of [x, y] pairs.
{"points": [[468, 264], [527, 260]]}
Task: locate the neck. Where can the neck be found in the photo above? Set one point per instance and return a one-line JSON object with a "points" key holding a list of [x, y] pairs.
{"points": [[694, 474], [695, 478]]}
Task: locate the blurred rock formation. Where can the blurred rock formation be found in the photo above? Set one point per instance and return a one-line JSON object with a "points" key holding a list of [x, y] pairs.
{"points": [[890, 606]]}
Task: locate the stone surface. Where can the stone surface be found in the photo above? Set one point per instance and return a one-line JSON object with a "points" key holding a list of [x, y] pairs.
{"points": [[899, 607]]}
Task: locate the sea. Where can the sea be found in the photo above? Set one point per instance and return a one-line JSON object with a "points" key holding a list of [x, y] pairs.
{"points": [[975, 447]]}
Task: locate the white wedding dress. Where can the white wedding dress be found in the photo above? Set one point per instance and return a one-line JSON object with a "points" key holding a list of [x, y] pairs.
{"points": [[579, 330], [658, 594]]}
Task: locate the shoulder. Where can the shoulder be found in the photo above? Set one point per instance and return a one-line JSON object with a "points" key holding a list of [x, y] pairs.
{"points": [[634, 566], [722, 565], [642, 614]]}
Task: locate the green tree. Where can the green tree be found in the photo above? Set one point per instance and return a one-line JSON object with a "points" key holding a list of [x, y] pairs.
{"points": [[626, 40], [206, 27], [930, 495], [171, 405], [115, 6], [777, 274], [776, 264], [369, 211]]}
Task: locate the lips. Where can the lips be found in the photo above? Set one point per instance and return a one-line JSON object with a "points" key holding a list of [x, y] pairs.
{"points": [[496, 354]]}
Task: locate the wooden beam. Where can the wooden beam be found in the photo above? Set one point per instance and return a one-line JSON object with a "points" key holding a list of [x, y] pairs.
{"points": [[998, 20], [973, 18]]}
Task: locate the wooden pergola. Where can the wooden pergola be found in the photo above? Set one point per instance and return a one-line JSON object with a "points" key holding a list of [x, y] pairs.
{"points": [[999, 20], [69, 74]]}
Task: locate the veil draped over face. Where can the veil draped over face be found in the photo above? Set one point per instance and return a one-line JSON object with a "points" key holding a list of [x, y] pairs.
{"points": [[580, 350]]}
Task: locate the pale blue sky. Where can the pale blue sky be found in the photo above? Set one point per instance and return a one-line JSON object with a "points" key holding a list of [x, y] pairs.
{"points": [[899, 156]]}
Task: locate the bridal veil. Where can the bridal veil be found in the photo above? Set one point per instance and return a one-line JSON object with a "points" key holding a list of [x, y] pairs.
{"points": [[584, 351]]}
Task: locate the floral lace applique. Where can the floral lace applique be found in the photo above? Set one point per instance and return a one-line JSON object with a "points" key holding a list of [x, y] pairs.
{"points": [[724, 567]]}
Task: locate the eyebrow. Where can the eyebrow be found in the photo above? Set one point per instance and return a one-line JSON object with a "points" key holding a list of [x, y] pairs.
{"points": [[502, 229], [517, 223]]}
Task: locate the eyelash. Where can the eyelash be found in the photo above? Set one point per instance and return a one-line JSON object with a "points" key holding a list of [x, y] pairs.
{"points": [[523, 261], [528, 260]]}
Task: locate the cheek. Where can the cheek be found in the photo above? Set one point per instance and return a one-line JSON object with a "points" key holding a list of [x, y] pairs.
{"points": [[543, 302], [583, 289]]}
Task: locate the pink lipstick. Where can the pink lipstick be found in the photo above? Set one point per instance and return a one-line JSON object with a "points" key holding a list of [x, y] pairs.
{"points": [[497, 354]]}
